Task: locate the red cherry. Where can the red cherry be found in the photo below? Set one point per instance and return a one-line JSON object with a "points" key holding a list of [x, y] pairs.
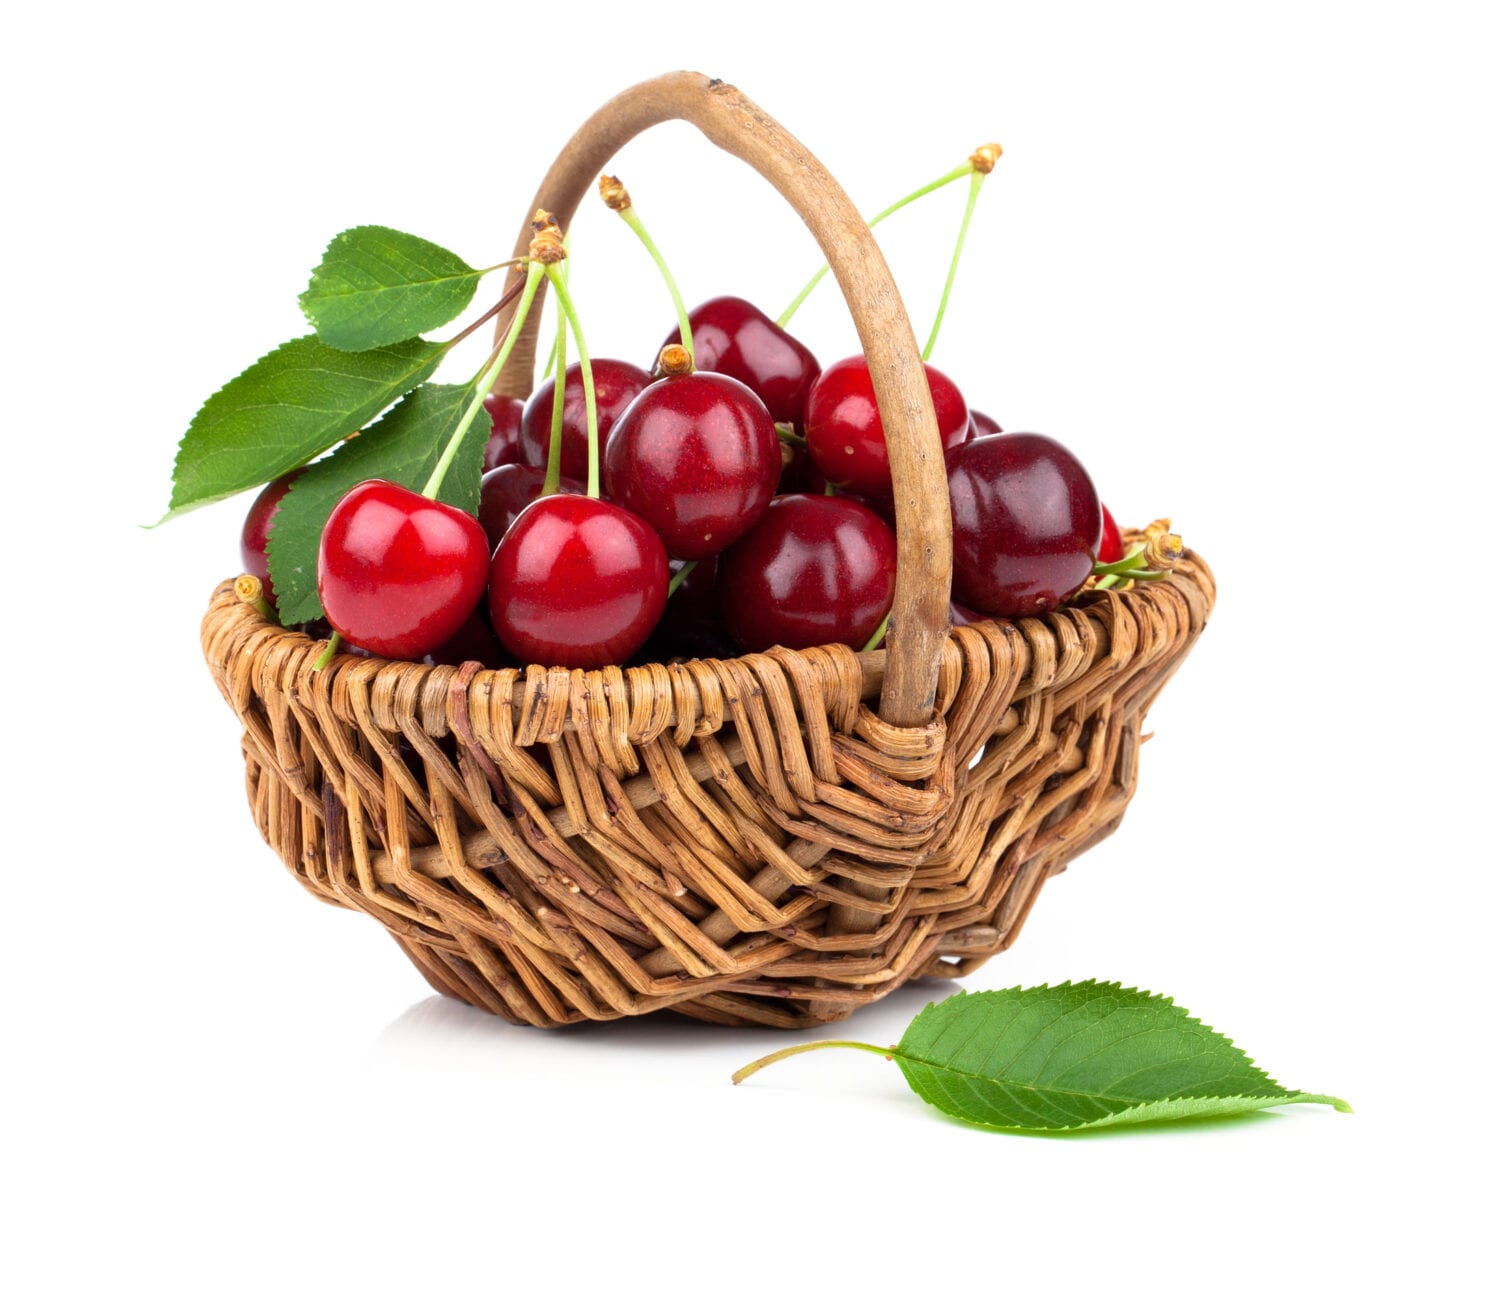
{"points": [[506, 490], [1111, 547], [615, 385], [695, 457], [844, 431], [690, 626], [814, 569], [1026, 524], [398, 573], [732, 336], [505, 430], [256, 532], [958, 614], [474, 641], [576, 582], [981, 423]]}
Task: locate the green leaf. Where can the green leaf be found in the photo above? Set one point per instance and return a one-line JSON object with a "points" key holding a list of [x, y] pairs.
{"points": [[403, 446], [1083, 1055], [377, 286], [297, 401]]}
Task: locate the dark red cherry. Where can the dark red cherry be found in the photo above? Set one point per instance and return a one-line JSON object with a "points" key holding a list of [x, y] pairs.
{"points": [[981, 424], [691, 626], [256, 532], [1026, 524], [695, 457], [734, 337], [474, 641], [844, 433], [616, 383], [814, 569], [398, 573], [576, 582], [506, 490], [958, 614], [1111, 547], [505, 430]]}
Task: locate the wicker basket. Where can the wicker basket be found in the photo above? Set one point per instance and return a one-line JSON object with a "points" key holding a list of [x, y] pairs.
{"points": [[747, 841]]}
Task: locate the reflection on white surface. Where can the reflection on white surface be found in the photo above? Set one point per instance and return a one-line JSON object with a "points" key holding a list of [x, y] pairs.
{"points": [[447, 1032]]}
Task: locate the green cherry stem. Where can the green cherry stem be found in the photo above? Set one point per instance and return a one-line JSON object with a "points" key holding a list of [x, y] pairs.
{"points": [[682, 575], [740, 1075], [482, 385], [591, 407], [963, 170], [567, 273], [326, 656], [553, 478], [873, 642], [615, 196], [975, 182]]}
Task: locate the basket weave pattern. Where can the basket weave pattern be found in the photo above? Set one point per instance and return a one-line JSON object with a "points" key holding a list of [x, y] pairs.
{"points": [[557, 845]]}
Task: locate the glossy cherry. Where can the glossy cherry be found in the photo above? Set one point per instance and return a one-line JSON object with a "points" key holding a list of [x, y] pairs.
{"points": [[1111, 547], [576, 582], [844, 433], [981, 423], [399, 573], [474, 641], [616, 383], [732, 336], [255, 535], [691, 626], [697, 458], [506, 490], [1026, 524], [504, 444], [814, 569], [958, 614]]}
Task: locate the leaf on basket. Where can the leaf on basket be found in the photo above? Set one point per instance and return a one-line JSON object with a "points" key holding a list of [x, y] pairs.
{"points": [[291, 405], [403, 446], [376, 286], [1078, 1056]]}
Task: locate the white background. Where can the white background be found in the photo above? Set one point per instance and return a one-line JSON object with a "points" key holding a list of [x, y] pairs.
{"points": [[1241, 259]]}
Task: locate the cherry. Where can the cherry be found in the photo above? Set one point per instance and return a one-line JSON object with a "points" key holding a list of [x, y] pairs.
{"points": [[398, 573], [615, 385], [1111, 547], [255, 535], [1026, 523], [981, 423], [691, 626], [844, 432], [814, 569], [958, 614], [734, 337], [474, 641], [696, 457], [506, 490], [505, 430], [576, 582]]}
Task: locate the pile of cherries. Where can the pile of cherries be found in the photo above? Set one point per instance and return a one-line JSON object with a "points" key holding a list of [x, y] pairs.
{"points": [[746, 503]]}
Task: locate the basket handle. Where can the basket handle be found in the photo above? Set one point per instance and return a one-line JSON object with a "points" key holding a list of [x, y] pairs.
{"points": [[924, 560]]}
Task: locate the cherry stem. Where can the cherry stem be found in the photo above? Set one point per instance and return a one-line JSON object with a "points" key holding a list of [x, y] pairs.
{"points": [[975, 182], [553, 479], [505, 299], [963, 170], [788, 436], [567, 271], [740, 1075], [565, 302], [326, 655], [633, 221], [1130, 562], [873, 642], [682, 575], [249, 590], [482, 385]]}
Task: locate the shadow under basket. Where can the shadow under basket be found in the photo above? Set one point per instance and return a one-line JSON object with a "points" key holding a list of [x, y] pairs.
{"points": [[742, 841]]}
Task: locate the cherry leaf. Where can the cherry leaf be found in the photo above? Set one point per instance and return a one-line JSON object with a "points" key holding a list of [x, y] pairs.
{"points": [[376, 286], [404, 447], [291, 405]]}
